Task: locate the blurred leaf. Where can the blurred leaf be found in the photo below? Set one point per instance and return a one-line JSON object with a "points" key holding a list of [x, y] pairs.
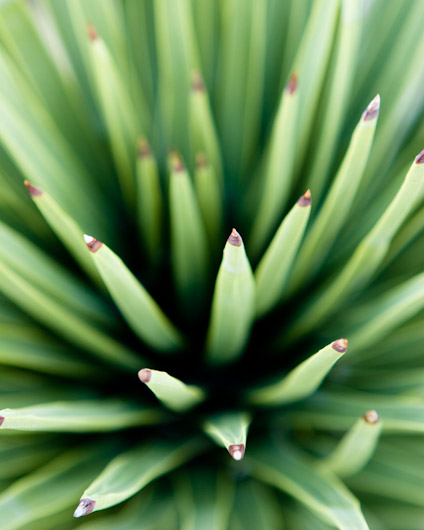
{"points": [[129, 472], [319, 491], [357, 446], [79, 416], [51, 488], [340, 408], [205, 499], [189, 249], [256, 507]]}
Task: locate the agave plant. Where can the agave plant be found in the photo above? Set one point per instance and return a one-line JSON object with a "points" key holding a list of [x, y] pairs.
{"points": [[151, 362]]}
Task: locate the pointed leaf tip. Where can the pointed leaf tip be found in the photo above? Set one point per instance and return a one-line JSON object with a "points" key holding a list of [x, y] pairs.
{"points": [[419, 159], [305, 200], [197, 84], [237, 451], [144, 150], [372, 110], [32, 190], [177, 164], [85, 507], [91, 32], [340, 345], [372, 417], [292, 84], [145, 375], [235, 238], [201, 160], [93, 244]]}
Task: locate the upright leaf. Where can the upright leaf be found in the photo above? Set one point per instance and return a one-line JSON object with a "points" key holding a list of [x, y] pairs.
{"points": [[233, 304], [357, 446]]}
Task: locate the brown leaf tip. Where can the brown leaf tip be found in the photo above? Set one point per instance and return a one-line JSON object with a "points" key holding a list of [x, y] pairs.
{"points": [[340, 345], [372, 416], [1, 420], [373, 109], [145, 375], [91, 32], [144, 150], [292, 84], [93, 244], [419, 159], [237, 451], [177, 164], [201, 160], [197, 84], [32, 190], [235, 238], [305, 200], [85, 507]]}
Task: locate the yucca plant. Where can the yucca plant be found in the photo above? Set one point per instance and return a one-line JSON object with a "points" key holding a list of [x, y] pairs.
{"points": [[280, 384]]}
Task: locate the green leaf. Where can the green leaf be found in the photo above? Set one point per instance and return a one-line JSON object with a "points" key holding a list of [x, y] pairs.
{"points": [[205, 499], [338, 201], [66, 229], [56, 316], [209, 194], [149, 200], [395, 473], [30, 262], [366, 258], [32, 350], [117, 112], [138, 307], [276, 264], [129, 472], [172, 392], [40, 151], [22, 454], [189, 249], [256, 507], [50, 489], [141, 513], [233, 304], [279, 167], [337, 93], [321, 492], [339, 409], [79, 416], [299, 517], [303, 380], [203, 132], [177, 57], [310, 62], [229, 430], [357, 446], [388, 312]]}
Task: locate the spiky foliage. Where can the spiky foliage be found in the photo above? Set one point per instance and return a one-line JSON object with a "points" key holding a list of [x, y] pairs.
{"points": [[280, 384]]}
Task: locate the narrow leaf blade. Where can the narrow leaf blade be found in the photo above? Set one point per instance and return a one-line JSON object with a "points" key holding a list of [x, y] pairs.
{"points": [[303, 380], [172, 392]]}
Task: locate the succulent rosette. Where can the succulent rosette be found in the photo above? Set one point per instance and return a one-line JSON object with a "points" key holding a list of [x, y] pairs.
{"points": [[211, 264]]}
